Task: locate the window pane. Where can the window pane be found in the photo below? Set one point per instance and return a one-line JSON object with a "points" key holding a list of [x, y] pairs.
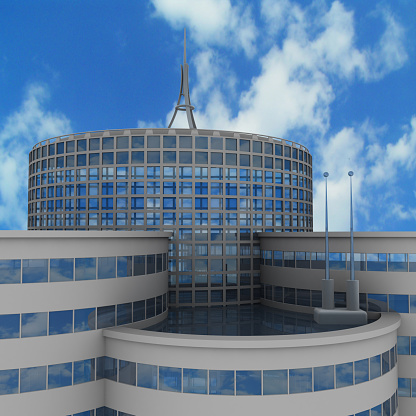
{"points": [[84, 319], [35, 271], [361, 371], [195, 381], [248, 382], [124, 266], [124, 314], [9, 326], [221, 382], [344, 375], [10, 271], [61, 270], [323, 378], [170, 379], [60, 322], [275, 382], [84, 371], [106, 267], [127, 372], [59, 375], [399, 303], [107, 368], [139, 310], [32, 379], [147, 376], [34, 324], [139, 265], [9, 381], [375, 367], [106, 316], [85, 269], [403, 345], [300, 380]]}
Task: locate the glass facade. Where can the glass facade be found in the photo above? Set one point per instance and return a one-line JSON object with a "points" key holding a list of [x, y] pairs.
{"points": [[207, 188]]}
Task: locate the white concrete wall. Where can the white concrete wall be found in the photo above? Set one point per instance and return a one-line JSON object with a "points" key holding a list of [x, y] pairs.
{"points": [[253, 353], [55, 296]]}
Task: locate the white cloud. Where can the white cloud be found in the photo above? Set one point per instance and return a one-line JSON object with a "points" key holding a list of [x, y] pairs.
{"points": [[298, 77], [23, 128], [338, 155], [211, 22], [375, 167], [388, 160]]}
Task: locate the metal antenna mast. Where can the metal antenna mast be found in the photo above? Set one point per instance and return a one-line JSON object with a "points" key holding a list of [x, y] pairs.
{"points": [[184, 92]]}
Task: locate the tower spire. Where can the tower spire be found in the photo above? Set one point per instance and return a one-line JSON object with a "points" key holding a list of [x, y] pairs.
{"points": [[184, 92]]}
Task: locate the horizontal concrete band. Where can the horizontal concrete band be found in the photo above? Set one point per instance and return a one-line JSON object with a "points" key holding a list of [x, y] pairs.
{"points": [[387, 323]]}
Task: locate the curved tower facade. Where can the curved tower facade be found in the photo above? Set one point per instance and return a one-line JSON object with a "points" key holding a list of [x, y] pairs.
{"points": [[215, 190]]}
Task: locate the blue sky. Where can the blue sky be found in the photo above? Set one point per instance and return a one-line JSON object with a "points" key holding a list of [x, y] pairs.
{"points": [[337, 76]]}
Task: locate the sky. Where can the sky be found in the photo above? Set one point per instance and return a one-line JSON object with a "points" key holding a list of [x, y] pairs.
{"points": [[336, 76]]}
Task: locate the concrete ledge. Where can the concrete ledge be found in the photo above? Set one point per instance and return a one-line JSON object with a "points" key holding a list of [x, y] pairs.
{"points": [[341, 316]]}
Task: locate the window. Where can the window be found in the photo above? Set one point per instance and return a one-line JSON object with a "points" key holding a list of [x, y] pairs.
{"points": [[221, 382]]}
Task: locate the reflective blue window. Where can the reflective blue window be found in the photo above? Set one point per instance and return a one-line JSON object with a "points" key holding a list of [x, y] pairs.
{"points": [[61, 270], [147, 376], [32, 379], [10, 271], [323, 378], [106, 316], [84, 371], [34, 271], [60, 322], [127, 372], [169, 203], [195, 381], [137, 203], [385, 362], [361, 371], [137, 142], [9, 381], [124, 313], [106, 267], [84, 319], [124, 266], [399, 303], [397, 262], [377, 302], [344, 375], [150, 307], [9, 326], [275, 382], [34, 324], [151, 262], [170, 379], [377, 262], [404, 387], [403, 345], [376, 411], [300, 380], [107, 368], [375, 367], [139, 265], [248, 382], [221, 382], [59, 375], [139, 310], [386, 408]]}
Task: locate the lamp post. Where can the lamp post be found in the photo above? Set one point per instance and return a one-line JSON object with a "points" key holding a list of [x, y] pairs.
{"points": [[327, 283], [326, 174], [353, 291]]}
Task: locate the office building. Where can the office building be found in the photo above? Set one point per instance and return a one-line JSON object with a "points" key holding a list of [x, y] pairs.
{"points": [[217, 256]]}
